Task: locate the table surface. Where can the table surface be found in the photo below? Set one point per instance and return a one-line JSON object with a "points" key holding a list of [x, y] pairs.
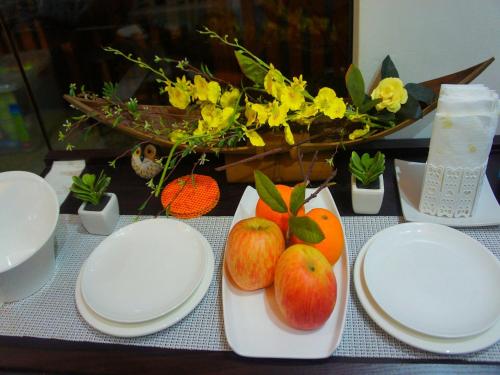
{"points": [[42, 356]]}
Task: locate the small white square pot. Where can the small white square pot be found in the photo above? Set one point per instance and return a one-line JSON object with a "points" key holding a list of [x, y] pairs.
{"points": [[367, 201], [101, 222]]}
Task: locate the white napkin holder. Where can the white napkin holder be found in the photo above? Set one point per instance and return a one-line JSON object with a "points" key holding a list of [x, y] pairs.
{"points": [[462, 135]]}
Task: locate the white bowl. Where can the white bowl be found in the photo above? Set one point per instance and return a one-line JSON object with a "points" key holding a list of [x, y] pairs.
{"points": [[29, 211]]}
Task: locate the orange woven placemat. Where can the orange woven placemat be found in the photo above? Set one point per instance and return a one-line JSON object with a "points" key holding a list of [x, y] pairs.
{"points": [[190, 196]]}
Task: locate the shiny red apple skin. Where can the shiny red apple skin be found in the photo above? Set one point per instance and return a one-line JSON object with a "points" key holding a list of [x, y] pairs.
{"points": [[305, 287], [253, 248]]}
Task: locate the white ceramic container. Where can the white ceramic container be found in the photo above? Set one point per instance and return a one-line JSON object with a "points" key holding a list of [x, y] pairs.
{"points": [[367, 201], [101, 222], [29, 211]]}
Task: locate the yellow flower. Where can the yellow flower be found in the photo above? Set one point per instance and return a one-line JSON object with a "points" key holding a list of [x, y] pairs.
{"points": [[307, 110], [392, 93], [277, 114], [255, 138], [327, 102], [304, 116], [183, 84], [200, 88], [215, 119], [179, 93], [299, 82], [202, 128], [227, 113], [177, 135], [250, 114], [213, 92], [178, 97], [262, 113], [358, 133], [274, 82], [292, 97], [230, 98], [289, 135]]}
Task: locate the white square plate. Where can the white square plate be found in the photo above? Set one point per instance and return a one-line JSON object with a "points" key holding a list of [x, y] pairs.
{"points": [[251, 321], [410, 177]]}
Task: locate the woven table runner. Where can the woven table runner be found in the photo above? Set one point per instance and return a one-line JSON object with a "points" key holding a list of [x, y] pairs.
{"points": [[51, 312]]}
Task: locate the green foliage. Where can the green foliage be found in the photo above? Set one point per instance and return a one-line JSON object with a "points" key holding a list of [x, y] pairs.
{"points": [[355, 85], [268, 192], [306, 229], [89, 189], [250, 68], [368, 104], [388, 68], [109, 91], [420, 92], [72, 89], [365, 168], [302, 227], [297, 198], [411, 109], [133, 105]]}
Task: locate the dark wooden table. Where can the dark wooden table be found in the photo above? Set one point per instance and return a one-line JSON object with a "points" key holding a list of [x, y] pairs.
{"points": [[43, 356]]}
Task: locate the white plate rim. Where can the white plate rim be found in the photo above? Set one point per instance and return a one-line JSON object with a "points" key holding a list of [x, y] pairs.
{"points": [[435, 228], [152, 326], [411, 213], [413, 338], [343, 286], [126, 231]]}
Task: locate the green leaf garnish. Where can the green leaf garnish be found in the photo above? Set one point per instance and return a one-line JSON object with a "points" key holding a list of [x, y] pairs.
{"points": [[268, 192], [297, 198], [305, 229]]}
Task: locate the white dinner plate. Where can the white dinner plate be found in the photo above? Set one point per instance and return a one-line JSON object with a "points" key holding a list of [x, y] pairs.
{"points": [[418, 340], [252, 321], [112, 328], [434, 279], [144, 270], [410, 177]]}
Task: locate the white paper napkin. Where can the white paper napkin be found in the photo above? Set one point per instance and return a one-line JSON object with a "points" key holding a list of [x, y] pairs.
{"points": [[60, 176], [464, 126], [462, 134]]}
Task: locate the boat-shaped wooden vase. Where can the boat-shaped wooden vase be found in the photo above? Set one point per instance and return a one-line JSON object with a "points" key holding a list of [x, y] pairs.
{"points": [[281, 164]]}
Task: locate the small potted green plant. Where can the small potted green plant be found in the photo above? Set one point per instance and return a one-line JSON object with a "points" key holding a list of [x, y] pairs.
{"points": [[99, 211], [367, 182]]}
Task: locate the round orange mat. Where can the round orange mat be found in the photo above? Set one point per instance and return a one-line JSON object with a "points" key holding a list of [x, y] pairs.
{"points": [[190, 196]]}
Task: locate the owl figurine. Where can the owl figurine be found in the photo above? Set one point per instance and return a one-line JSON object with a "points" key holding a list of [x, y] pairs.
{"points": [[144, 162]]}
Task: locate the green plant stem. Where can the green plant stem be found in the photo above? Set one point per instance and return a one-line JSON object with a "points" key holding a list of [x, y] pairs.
{"points": [[167, 164], [237, 46], [138, 61], [169, 159]]}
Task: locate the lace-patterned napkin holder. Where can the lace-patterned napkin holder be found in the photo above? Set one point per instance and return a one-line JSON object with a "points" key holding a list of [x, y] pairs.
{"points": [[462, 135]]}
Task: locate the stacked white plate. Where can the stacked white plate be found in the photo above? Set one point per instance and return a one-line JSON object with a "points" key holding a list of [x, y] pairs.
{"points": [[144, 278], [431, 286]]}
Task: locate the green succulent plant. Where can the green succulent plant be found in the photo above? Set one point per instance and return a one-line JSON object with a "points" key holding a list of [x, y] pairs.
{"points": [[366, 169], [88, 189]]}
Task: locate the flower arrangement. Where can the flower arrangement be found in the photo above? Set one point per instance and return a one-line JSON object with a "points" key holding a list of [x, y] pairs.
{"points": [[215, 115]]}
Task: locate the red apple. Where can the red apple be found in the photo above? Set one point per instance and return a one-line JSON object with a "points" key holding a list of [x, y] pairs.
{"points": [[253, 248], [305, 287]]}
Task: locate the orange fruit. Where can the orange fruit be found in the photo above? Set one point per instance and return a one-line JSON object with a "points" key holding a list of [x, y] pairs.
{"points": [[263, 210], [333, 243]]}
